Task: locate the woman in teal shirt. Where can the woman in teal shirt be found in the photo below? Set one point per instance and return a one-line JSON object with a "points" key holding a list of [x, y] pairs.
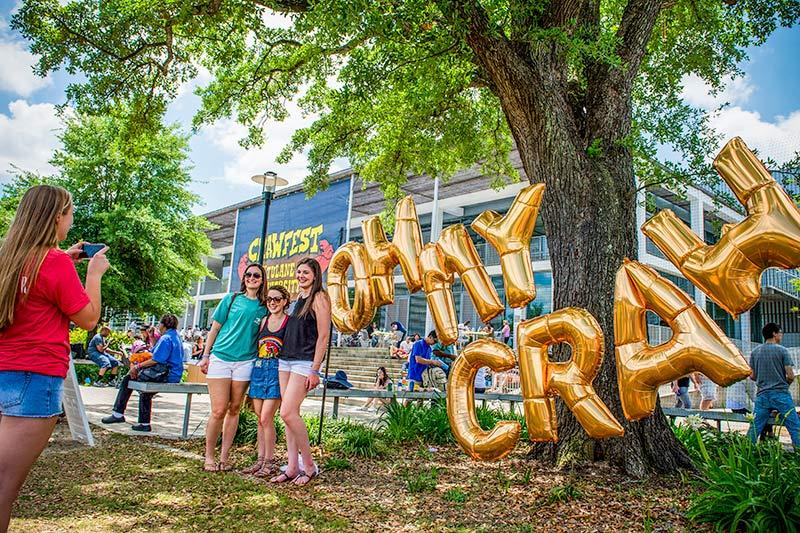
{"points": [[228, 357]]}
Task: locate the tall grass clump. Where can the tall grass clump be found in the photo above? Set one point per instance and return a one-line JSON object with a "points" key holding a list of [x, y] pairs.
{"points": [[746, 487]]}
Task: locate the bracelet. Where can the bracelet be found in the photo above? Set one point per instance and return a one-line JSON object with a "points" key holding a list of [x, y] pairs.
{"points": [[136, 366], [316, 373]]}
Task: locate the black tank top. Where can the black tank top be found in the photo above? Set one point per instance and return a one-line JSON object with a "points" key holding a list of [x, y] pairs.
{"points": [[300, 337]]}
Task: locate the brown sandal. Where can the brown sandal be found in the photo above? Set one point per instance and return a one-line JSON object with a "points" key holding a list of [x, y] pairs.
{"points": [[210, 466], [283, 477], [255, 467], [225, 466], [268, 468]]}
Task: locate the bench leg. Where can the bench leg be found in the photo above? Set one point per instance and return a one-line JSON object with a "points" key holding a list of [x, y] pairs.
{"points": [[186, 411], [335, 407], [719, 426]]}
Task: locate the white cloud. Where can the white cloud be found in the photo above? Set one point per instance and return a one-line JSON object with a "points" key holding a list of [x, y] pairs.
{"points": [[16, 69], [698, 93], [28, 137], [242, 163], [778, 140]]}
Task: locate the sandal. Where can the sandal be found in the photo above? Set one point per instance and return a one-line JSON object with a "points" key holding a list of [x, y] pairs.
{"points": [[310, 476], [255, 467], [268, 468], [210, 466], [283, 477], [225, 466]]}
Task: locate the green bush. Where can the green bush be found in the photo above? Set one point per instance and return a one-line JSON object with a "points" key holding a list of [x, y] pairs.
{"points": [[337, 463], [564, 493], [84, 371], [424, 481], [402, 423], [77, 336], [746, 487], [247, 430], [455, 495], [358, 441]]}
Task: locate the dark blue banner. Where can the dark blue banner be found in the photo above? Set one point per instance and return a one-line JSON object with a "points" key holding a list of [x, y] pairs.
{"points": [[298, 227]]}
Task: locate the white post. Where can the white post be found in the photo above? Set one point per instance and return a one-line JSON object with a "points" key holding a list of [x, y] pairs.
{"points": [[698, 226], [349, 211], [641, 218], [436, 230]]}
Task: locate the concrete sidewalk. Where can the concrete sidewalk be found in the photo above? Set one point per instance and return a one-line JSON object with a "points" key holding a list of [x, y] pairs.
{"points": [[167, 418]]}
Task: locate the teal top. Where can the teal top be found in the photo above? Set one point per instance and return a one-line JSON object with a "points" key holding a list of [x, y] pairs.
{"points": [[237, 339]]}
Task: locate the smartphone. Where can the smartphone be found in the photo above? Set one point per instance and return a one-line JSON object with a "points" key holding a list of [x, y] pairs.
{"points": [[90, 249]]}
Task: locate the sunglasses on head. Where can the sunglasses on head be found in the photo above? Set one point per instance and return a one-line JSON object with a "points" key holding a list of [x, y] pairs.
{"points": [[275, 299], [254, 275]]}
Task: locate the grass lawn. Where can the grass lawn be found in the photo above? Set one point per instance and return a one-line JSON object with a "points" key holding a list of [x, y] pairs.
{"points": [[127, 484]]}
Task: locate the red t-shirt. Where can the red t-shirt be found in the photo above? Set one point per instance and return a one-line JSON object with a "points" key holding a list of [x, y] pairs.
{"points": [[38, 339]]}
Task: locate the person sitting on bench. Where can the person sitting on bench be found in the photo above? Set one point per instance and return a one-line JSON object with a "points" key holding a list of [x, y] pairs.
{"points": [[166, 365]]}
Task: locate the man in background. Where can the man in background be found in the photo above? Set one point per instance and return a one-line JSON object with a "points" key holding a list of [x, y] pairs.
{"points": [[772, 369]]}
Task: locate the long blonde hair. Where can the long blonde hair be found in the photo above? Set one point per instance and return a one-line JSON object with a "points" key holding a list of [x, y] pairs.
{"points": [[32, 234]]}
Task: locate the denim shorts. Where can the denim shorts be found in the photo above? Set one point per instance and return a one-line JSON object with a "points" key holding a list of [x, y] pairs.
{"points": [[30, 395], [264, 382], [104, 360]]}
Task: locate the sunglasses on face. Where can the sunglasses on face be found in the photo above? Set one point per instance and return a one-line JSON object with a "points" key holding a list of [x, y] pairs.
{"points": [[254, 275], [273, 299]]}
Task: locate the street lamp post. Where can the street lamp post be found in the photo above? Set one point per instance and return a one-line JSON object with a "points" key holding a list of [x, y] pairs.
{"points": [[269, 181]]}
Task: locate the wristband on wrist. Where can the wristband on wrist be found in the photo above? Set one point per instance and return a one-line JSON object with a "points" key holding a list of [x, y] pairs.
{"points": [[316, 373]]}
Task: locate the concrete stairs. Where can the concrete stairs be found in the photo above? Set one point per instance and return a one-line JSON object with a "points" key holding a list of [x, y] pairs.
{"points": [[361, 365]]}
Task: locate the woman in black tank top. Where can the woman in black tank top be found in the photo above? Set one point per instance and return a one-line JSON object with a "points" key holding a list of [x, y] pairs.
{"points": [[304, 344]]}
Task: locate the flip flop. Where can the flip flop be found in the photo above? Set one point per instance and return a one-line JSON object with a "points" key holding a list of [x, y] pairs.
{"points": [[225, 466], [310, 477], [283, 478], [210, 466]]}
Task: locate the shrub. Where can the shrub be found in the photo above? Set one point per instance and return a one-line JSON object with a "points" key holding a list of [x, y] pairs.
{"points": [[400, 422], [753, 488], [487, 418], [564, 493], [355, 440], [337, 463], [433, 425], [424, 481], [77, 336], [247, 430], [455, 495]]}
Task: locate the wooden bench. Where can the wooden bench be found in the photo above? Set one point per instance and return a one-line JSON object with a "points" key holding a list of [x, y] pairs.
{"points": [[173, 388]]}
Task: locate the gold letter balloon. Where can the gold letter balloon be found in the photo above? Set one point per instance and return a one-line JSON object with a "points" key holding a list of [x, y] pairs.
{"points": [[697, 343], [728, 272]]}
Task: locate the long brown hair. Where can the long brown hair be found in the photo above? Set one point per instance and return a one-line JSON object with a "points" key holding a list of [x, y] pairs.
{"points": [[32, 234], [262, 290], [315, 287]]}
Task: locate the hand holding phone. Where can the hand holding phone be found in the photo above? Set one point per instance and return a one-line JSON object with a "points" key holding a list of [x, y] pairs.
{"points": [[89, 250]]}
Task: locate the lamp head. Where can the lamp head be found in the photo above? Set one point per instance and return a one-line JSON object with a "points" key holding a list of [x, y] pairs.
{"points": [[269, 181]]}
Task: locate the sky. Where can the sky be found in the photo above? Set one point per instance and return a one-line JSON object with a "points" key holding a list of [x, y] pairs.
{"points": [[763, 108]]}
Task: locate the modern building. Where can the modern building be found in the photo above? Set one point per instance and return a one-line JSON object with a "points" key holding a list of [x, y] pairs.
{"points": [[334, 216]]}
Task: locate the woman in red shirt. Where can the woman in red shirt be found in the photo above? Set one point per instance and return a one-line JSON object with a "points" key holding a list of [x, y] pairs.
{"points": [[40, 293]]}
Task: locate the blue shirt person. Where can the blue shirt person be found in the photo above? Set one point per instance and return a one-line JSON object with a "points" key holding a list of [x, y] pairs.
{"points": [[445, 354], [166, 365], [419, 359], [771, 369]]}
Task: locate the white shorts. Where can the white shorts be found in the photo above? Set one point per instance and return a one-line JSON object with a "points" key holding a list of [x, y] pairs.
{"points": [[219, 369], [298, 367]]}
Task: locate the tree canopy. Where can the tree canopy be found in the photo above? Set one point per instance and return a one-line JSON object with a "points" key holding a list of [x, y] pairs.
{"points": [[398, 86], [130, 192]]}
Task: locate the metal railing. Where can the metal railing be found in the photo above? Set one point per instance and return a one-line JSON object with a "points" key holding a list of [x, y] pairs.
{"points": [[785, 281], [213, 286]]}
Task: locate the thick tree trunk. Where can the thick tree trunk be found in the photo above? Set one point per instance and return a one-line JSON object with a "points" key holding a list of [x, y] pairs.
{"points": [[589, 214]]}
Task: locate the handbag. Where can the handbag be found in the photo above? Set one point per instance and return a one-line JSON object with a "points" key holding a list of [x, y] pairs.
{"points": [[156, 373]]}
